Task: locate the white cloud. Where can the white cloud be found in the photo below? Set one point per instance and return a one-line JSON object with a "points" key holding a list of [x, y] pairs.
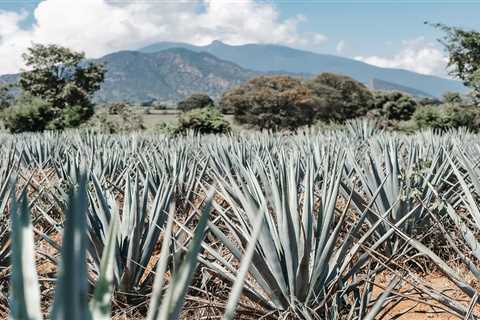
{"points": [[98, 27], [416, 55], [341, 46]]}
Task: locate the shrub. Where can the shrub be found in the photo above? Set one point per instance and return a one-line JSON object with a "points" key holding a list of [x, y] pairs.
{"points": [[195, 101], [446, 117], [395, 105], [159, 106], [27, 114], [116, 108], [205, 121], [273, 103], [452, 97], [124, 119], [340, 97]]}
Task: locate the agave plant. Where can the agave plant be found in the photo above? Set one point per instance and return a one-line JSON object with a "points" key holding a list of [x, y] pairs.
{"points": [[300, 262], [394, 182], [141, 220], [72, 289]]}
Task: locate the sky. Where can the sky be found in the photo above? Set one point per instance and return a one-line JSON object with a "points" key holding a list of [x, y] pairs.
{"points": [[384, 33]]}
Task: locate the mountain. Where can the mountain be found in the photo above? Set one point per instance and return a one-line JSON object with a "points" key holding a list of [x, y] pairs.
{"points": [[377, 84], [170, 74], [266, 57]]}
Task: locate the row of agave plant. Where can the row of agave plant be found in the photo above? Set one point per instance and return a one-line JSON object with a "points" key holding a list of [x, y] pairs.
{"points": [[332, 225]]}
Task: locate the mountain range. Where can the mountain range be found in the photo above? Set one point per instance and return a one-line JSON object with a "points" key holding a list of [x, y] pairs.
{"points": [[169, 71]]}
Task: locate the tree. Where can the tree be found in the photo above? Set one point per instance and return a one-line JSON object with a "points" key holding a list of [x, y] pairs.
{"points": [[207, 120], [62, 78], [446, 117], [27, 114], [195, 101], [395, 105], [463, 47], [340, 97], [274, 103], [6, 98]]}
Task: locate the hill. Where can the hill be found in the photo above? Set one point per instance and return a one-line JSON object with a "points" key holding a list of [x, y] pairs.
{"points": [[377, 84], [170, 74], [265, 58]]}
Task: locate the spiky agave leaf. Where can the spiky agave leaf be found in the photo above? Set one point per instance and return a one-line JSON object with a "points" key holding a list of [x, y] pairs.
{"points": [[100, 305], [174, 298], [25, 292], [71, 292]]}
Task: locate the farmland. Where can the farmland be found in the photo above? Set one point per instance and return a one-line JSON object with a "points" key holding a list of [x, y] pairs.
{"points": [[345, 224]]}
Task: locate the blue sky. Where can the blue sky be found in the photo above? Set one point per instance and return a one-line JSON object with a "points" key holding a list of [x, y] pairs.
{"points": [[385, 33]]}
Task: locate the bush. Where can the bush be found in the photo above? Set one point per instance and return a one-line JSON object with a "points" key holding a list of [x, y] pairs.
{"points": [[395, 105], [123, 119], [27, 114], [116, 108], [446, 117], [340, 97], [195, 101], [205, 121], [273, 103]]}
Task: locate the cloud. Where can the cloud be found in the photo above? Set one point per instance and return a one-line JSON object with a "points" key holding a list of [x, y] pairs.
{"points": [[98, 27], [416, 55], [341, 46]]}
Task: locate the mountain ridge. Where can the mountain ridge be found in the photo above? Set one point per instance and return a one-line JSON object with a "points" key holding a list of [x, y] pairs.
{"points": [[272, 58]]}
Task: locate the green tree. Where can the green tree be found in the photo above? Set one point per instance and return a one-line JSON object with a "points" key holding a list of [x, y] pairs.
{"points": [[395, 105], [6, 98], [446, 117], [274, 103], [27, 114], [195, 101], [62, 78], [340, 97], [207, 120], [463, 47]]}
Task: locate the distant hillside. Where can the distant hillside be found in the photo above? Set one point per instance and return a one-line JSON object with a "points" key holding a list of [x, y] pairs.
{"points": [[266, 58], [377, 84], [167, 75], [8, 78]]}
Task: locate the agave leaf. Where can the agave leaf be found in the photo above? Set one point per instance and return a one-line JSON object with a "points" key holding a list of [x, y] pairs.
{"points": [[71, 292], [154, 309], [175, 296], [100, 305], [242, 272], [25, 291]]}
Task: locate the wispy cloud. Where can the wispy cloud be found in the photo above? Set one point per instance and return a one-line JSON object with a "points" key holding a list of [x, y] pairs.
{"points": [[341, 46]]}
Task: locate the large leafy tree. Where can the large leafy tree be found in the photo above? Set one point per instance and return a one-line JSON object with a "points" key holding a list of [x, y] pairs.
{"points": [[273, 103], [463, 47], [395, 105], [62, 78], [340, 97]]}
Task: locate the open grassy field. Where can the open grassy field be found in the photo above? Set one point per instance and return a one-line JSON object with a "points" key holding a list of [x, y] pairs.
{"points": [[346, 224]]}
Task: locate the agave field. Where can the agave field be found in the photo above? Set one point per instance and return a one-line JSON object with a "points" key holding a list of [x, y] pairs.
{"points": [[346, 224]]}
